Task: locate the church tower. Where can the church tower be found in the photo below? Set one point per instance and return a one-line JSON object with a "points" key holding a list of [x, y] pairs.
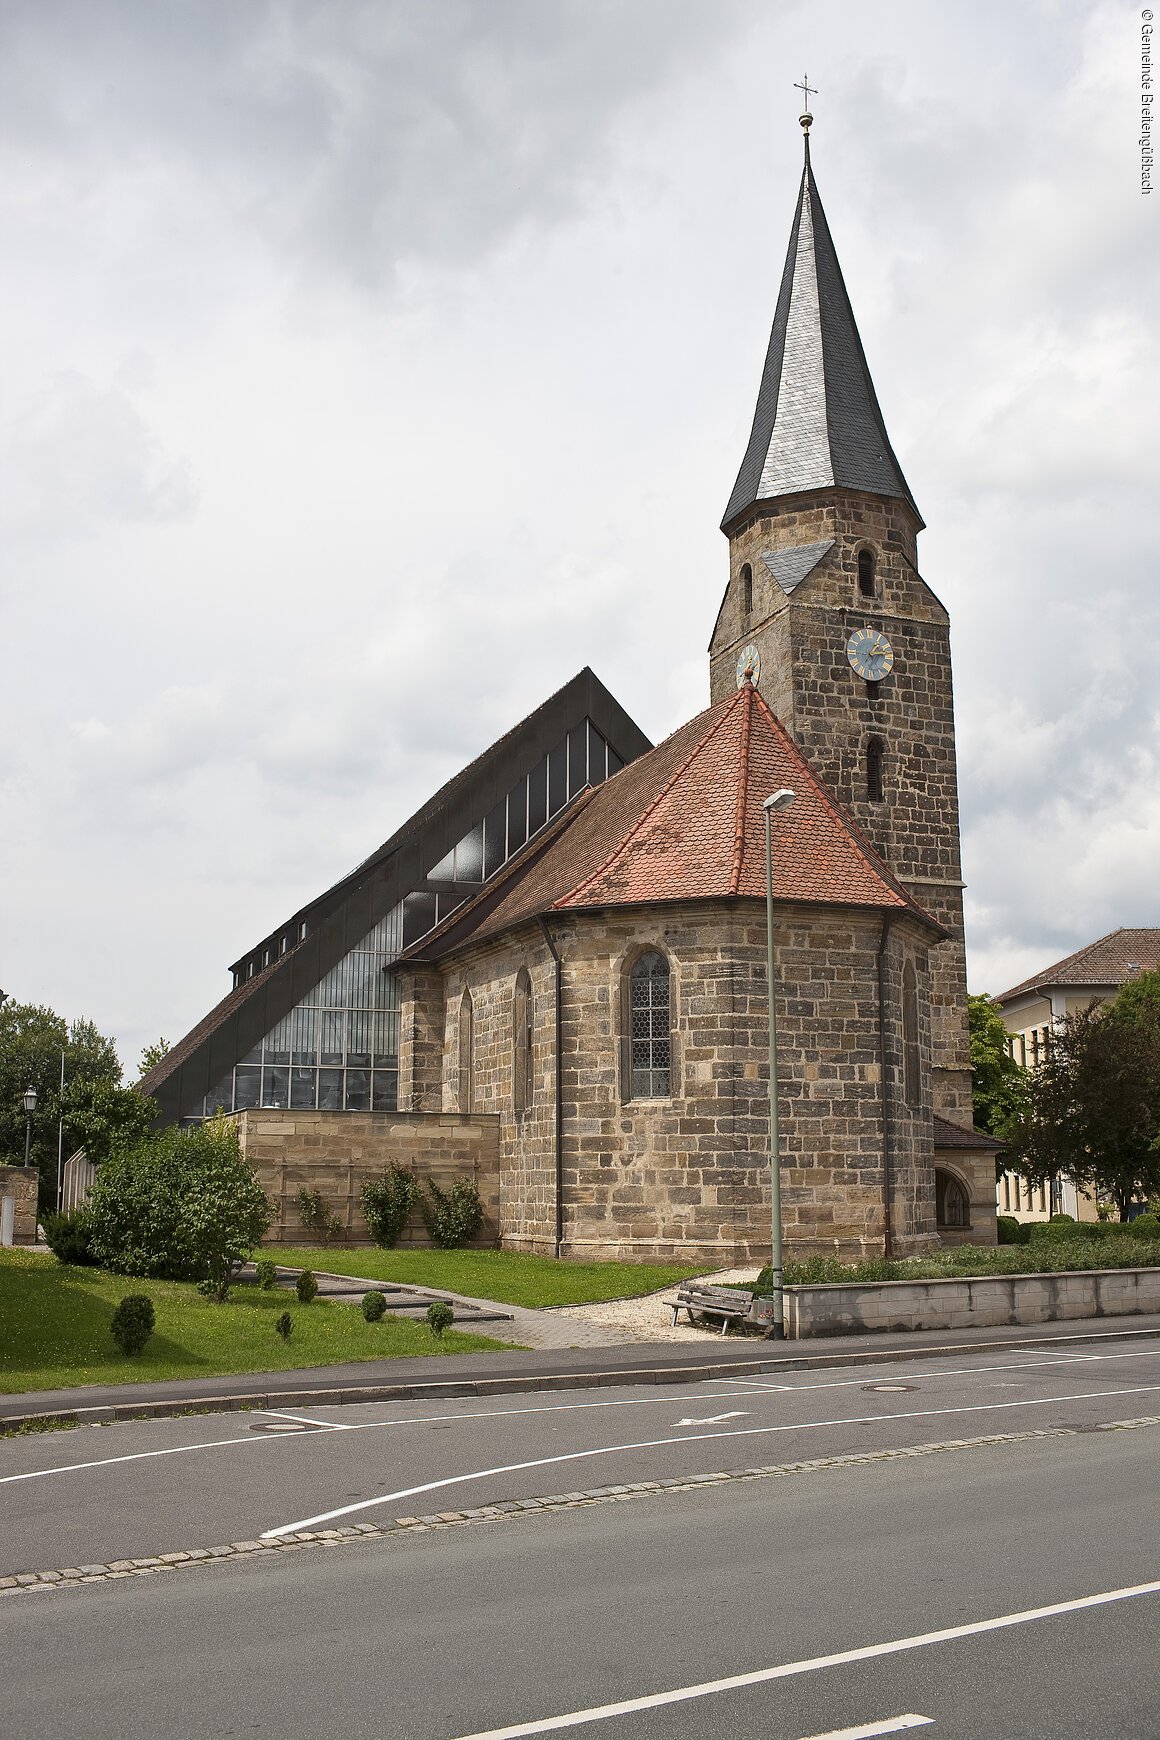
{"points": [[827, 611]]}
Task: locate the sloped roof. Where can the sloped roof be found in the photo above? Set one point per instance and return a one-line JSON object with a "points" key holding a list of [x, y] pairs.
{"points": [[817, 422], [685, 822], [1109, 961], [948, 1135]]}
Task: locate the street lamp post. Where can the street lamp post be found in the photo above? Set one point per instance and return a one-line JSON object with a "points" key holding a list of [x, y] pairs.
{"points": [[29, 1108], [780, 800]]}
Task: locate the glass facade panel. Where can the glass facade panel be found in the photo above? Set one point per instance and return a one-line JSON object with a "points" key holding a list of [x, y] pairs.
{"points": [[303, 1089], [385, 1091], [275, 1087], [469, 857], [517, 806], [418, 917], [358, 1090], [614, 762], [577, 759], [597, 756], [537, 797], [247, 1088], [330, 1090], [494, 840], [558, 778]]}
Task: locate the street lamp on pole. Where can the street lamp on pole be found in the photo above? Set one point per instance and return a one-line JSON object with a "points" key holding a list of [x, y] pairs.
{"points": [[29, 1108], [780, 800]]}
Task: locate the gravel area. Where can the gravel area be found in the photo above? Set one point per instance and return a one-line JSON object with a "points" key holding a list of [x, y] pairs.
{"points": [[651, 1318]]}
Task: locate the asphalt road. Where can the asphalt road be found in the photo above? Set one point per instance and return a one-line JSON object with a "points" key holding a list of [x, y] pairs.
{"points": [[486, 1629], [132, 1489]]}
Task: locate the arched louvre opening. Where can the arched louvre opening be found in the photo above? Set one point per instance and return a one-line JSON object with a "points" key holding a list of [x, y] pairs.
{"points": [[875, 778], [911, 1054], [466, 1050]]}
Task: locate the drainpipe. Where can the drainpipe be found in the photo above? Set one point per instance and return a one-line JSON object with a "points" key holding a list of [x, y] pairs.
{"points": [[552, 950], [887, 1155]]}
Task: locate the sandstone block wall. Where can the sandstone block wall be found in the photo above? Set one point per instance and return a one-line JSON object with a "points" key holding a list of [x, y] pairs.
{"points": [[21, 1183], [335, 1153], [688, 1175], [970, 1304]]}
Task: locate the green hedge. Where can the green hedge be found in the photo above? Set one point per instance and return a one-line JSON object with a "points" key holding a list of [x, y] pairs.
{"points": [[1117, 1249]]}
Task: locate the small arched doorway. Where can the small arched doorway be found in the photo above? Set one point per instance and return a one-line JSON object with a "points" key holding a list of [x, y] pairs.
{"points": [[952, 1202]]}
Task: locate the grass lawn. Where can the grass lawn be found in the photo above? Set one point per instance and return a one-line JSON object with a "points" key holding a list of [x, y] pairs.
{"points": [[509, 1277], [56, 1330]]}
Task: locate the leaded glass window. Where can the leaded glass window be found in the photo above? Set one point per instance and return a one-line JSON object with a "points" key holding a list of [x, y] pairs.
{"points": [[650, 1028]]}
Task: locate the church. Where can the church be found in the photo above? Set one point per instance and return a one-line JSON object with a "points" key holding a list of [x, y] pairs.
{"points": [[553, 976]]}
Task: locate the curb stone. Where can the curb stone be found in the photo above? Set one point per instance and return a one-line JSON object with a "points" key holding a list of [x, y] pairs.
{"points": [[29, 1582]]}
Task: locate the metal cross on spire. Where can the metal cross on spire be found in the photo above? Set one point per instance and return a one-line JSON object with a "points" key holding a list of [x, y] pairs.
{"points": [[807, 91]]}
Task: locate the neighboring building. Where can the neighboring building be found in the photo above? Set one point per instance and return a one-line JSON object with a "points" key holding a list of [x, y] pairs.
{"points": [[1031, 1009], [558, 968]]}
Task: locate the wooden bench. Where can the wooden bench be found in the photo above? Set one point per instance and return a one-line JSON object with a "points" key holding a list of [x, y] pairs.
{"points": [[728, 1303]]}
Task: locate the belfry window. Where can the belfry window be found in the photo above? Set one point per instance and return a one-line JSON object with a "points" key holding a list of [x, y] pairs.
{"points": [[650, 1028], [523, 1014], [875, 789], [866, 573], [746, 590]]}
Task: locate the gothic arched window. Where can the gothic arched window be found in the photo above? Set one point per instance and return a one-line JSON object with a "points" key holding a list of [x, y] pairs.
{"points": [[746, 590], [650, 1028], [523, 1013], [875, 789], [911, 1056], [466, 1049], [866, 573]]}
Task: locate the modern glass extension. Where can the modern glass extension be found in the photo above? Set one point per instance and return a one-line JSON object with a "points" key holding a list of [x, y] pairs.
{"points": [[338, 1050]]}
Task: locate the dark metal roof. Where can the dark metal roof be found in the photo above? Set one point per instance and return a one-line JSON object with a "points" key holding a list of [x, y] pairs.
{"points": [[817, 424], [790, 567]]}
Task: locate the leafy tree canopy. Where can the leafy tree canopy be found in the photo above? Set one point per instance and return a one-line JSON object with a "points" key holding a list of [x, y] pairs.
{"points": [[998, 1083], [1093, 1105], [32, 1038], [152, 1055]]}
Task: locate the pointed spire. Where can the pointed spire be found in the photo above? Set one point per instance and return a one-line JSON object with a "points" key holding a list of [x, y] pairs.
{"points": [[817, 423]]}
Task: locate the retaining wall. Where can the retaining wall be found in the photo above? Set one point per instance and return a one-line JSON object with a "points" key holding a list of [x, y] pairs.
{"points": [[976, 1303]]}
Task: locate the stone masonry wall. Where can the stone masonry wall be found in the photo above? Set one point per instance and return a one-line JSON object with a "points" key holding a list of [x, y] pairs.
{"points": [[688, 1176], [335, 1153], [832, 713], [21, 1183], [970, 1304]]}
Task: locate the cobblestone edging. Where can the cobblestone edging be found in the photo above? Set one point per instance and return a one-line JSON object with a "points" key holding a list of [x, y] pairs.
{"points": [[83, 1576]]}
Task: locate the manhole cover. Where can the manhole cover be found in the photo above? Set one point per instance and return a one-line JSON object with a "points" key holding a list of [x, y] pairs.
{"points": [[286, 1428], [888, 1389]]}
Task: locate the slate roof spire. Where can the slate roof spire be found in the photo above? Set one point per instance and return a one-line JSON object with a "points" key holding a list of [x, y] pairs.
{"points": [[817, 423]]}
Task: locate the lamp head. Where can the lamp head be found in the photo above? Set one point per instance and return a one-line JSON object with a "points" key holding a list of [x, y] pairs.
{"points": [[780, 800], [29, 1100]]}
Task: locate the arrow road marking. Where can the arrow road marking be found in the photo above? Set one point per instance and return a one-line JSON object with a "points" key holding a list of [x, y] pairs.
{"points": [[715, 1419]]}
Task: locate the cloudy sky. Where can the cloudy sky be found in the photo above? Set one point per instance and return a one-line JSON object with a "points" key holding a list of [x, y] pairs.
{"points": [[372, 365]]}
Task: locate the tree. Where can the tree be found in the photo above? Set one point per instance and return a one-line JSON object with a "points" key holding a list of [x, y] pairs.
{"points": [[102, 1118], [182, 1205], [152, 1054], [1093, 1104], [998, 1083], [32, 1038]]}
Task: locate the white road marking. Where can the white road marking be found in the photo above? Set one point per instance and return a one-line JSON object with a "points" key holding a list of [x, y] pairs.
{"points": [[692, 1438], [305, 1420], [868, 1730], [792, 1669], [752, 1386], [715, 1419]]}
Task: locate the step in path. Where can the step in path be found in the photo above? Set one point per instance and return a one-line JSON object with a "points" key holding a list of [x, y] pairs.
{"points": [[527, 1328]]}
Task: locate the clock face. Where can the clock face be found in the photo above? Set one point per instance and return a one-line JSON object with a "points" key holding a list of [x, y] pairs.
{"points": [[748, 665], [870, 653]]}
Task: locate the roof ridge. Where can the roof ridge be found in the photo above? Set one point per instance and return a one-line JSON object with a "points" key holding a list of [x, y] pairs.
{"points": [[742, 792], [571, 896]]}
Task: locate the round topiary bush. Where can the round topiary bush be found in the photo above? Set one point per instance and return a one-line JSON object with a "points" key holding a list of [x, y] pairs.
{"points": [[374, 1304], [133, 1323], [440, 1316], [306, 1287]]}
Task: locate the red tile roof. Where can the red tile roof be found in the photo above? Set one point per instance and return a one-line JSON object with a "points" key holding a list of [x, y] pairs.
{"points": [[947, 1135], [1109, 961], [685, 822]]}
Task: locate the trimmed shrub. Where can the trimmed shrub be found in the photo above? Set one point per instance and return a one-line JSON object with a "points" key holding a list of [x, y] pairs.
{"points": [[374, 1304], [318, 1217], [1062, 1216], [284, 1325], [183, 1206], [440, 1316], [1012, 1231], [69, 1238], [267, 1270], [306, 1287], [387, 1203], [133, 1323], [1145, 1226], [451, 1217]]}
